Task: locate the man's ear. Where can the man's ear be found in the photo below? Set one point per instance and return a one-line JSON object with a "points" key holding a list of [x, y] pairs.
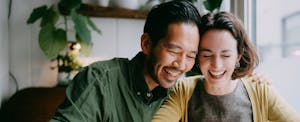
{"points": [[146, 43]]}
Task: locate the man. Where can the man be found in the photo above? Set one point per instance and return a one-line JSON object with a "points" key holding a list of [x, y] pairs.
{"points": [[132, 90]]}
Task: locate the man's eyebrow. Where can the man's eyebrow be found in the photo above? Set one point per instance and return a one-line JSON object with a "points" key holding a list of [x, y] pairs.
{"points": [[204, 50], [171, 45]]}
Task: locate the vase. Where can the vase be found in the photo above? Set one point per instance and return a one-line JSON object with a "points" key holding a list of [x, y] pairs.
{"points": [[89, 1], [103, 3], [150, 3], [64, 78]]}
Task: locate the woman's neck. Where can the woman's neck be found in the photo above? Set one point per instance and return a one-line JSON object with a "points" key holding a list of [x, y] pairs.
{"points": [[220, 88]]}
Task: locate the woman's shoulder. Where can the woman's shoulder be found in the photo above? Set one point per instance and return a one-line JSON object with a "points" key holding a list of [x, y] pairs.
{"points": [[189, 81], [250, 81], [256, 87], [186, 85]]}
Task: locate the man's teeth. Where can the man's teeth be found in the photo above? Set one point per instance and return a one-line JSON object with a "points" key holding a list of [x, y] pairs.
{"points": [[173, 72], [217, 73]]}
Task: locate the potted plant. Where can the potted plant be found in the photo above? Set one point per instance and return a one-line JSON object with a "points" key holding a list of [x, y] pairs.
{"points": [[212, 5], [68, 63], [52, 37]]}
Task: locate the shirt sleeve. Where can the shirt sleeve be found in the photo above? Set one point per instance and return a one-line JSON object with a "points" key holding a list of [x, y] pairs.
{"points": [[84, 100], [174, 108], [170, 111], [279, 109]]}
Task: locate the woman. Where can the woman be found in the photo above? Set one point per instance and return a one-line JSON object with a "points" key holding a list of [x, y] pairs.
{"points": [[226, 93]]}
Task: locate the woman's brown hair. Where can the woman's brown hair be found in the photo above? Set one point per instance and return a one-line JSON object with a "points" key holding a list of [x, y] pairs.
{"points": [[229, 22]]}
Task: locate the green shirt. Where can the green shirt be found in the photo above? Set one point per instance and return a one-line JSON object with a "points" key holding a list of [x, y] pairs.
{"points": [[111, 91]]}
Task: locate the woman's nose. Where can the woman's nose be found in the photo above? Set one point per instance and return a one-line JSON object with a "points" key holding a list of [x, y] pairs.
{"points": [[217, 62]]}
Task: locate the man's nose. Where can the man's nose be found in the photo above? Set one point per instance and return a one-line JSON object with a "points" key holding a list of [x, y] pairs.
{"points": [[181, 63]]}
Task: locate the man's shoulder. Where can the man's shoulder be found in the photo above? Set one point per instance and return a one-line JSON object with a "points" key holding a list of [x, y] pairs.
{"points": [[103, 71], [104, 67], [115, 62]]}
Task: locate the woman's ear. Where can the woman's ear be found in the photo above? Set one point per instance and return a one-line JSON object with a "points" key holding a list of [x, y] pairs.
{"points": [[146, 43]]}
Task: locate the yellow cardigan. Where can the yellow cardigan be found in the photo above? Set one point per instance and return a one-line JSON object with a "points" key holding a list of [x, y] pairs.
{"points": [[266, 103]]}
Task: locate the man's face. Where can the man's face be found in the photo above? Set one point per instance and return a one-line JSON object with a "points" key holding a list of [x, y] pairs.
{"points": [[173, 55]]}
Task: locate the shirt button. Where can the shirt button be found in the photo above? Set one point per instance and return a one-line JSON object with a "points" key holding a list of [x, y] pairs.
{"points": [[138, 93], [148, 94]]}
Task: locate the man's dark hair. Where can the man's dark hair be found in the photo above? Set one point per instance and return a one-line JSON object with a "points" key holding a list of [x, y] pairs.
{"points": [[162, 15]]}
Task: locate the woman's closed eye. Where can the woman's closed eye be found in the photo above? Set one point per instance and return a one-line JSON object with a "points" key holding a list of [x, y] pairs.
{"points": [[226, 56], [206, 56]]}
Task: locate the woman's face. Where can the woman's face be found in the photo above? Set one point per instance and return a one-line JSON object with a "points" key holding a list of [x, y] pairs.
{"points": [[218, 55]]}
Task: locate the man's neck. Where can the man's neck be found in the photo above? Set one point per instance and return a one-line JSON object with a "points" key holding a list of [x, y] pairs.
{"points": [[150, 82]]}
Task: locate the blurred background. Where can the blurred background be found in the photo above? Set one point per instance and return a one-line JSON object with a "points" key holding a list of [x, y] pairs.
{"points": [[273, 25]]}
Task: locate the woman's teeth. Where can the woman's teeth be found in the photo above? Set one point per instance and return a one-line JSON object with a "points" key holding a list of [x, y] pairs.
{"points": [[217, 73]]}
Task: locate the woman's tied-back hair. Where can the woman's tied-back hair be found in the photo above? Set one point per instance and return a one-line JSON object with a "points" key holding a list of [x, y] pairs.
{"points": [[229, 22], [162, 15]]}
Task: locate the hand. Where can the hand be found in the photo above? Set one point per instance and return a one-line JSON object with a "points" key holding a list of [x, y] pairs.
{"points": [[260, 78]]}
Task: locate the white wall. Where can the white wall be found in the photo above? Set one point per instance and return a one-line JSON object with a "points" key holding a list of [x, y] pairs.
{"points": [[4, 81], [26, 59], [120, 37]]}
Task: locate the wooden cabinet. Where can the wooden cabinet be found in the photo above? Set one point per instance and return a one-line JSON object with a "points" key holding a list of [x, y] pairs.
{"points": [[36, 104], [98, 11]]}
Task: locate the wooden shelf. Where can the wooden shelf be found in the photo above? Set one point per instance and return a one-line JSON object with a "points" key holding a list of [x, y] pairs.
{"points": [[98, 11]]}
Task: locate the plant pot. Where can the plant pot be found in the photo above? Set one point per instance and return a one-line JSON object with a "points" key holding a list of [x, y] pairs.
{"points": [[150, 3], [103, 3], [64, 78]]}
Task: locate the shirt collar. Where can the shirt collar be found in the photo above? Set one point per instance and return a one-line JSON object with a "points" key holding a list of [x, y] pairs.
{"points": [[139, 84]]}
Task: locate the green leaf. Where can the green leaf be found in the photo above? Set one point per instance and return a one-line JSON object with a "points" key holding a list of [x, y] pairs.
{"points": [[80, 23], [194, 1], [93, 26], [94, 1], [36, 14], [86, 47], [212, 5], [70, 4], [52, 40], [51, 16]]}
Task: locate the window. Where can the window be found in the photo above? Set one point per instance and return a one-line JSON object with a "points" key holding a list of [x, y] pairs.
{"points": [[274, 26], [290, 37]]}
